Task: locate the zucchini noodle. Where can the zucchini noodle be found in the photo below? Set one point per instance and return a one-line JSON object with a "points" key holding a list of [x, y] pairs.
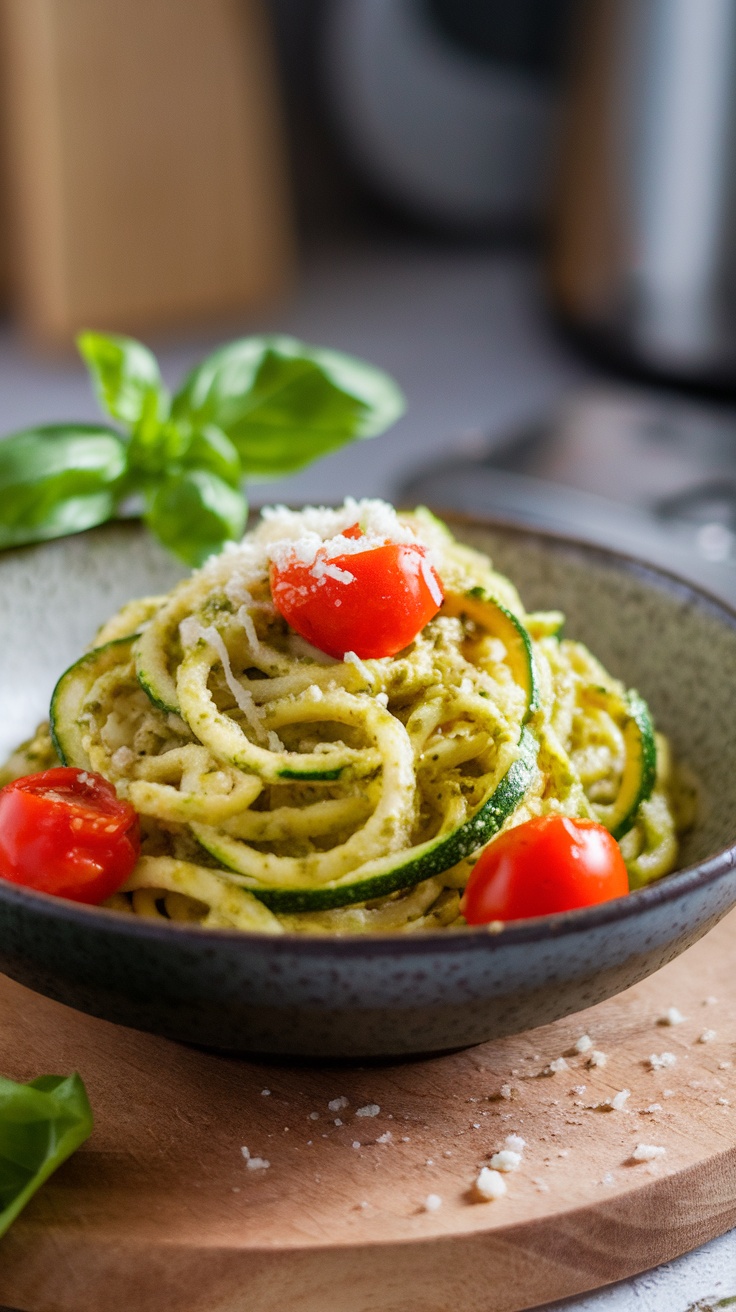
{"points": [[282, 790]]}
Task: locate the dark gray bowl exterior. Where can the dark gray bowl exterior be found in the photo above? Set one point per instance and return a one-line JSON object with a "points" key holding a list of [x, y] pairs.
{"points": [[382, 996]]}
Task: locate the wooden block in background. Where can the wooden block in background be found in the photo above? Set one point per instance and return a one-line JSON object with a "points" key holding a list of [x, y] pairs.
{"points": [[145, 162]]}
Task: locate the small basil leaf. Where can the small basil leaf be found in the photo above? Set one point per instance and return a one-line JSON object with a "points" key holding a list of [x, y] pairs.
{"points": [[194, 513], [41, 1124], [211, 449], [126, 378], [57, 480], [282, 403], [153, 450]]}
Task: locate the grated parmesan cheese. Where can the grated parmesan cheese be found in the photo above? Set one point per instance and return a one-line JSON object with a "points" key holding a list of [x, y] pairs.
{"points": [[647, 1152], [370, 1109], [515, 1143], [432, 1203], [559, 1064], [597, 1058], [489, 1185], [506, 1160], [662, 1062], [671, 1017]]}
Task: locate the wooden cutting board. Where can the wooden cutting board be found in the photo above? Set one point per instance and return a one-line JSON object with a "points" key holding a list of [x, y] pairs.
{"points": [[159, 1212]]}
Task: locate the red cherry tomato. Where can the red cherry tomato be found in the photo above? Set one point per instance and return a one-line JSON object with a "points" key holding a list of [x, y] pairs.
{"points": [[552, 863], [373, 602], [66, 831]]}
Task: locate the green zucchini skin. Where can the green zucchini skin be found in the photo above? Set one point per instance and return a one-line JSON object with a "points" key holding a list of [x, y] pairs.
{"points": [[479, 606], [152, 694], [306, 775], [69, 691], [640, 771], [438, 855]]}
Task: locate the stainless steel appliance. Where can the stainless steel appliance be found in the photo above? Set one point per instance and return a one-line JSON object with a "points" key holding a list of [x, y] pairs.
{"points": [[644, 244]]}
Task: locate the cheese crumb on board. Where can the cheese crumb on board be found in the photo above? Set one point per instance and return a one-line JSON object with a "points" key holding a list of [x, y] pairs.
{"points": [[672, 1016], [337, 1104], [489, 1185], [597, 1058], [647, 1152], [707, 1036], [515, 1143], [432, 1203], [619, 1100], [584, 1043], [254, 1163], [506, 1160], [664, 1061], [370, 1109], [559, 1064]]}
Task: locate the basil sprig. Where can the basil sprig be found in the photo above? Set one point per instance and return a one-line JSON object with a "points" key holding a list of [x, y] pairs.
{"points": [[257, 408], [41, 1124]]}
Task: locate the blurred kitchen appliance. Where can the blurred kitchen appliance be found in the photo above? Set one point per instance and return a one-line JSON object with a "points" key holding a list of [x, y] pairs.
{"points": [[633, 469], [146, 173], [643, 256], [446, 106]]}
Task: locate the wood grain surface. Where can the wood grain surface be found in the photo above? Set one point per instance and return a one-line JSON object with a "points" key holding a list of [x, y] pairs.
{"points": [[159, 1212]]}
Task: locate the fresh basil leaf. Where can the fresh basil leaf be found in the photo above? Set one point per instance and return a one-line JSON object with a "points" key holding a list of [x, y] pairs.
{"points": [[194, 513], [41, 1124], [282, 403], [211, 449], [57, 480], [153, 451], [126, 378]]}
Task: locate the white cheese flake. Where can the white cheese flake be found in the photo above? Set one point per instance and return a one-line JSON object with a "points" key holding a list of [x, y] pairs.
{"points": [[619, 1100], [515, 1143], [370, 1109], [648, 1152], [350, 658], [707, 1036], [559, 1064], [506, 1160], [432, 1203], [489, 1185], [597, 1058], [337, 1104], [663, 1061], [584, 1043], [672, 1016]]}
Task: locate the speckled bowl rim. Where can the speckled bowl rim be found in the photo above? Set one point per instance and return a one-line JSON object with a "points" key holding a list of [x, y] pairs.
{"points": [[467, 938]]}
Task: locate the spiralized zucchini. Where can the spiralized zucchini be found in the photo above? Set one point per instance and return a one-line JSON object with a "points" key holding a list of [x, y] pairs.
{"points": [[280, 789]]}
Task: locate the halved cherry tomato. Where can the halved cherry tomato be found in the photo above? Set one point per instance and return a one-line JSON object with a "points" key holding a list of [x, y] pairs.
{"points": [[552, 863], [374, 602], [66, 831]]}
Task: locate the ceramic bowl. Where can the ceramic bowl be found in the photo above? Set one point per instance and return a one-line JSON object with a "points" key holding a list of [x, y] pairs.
{"points": [[383, 996]]}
